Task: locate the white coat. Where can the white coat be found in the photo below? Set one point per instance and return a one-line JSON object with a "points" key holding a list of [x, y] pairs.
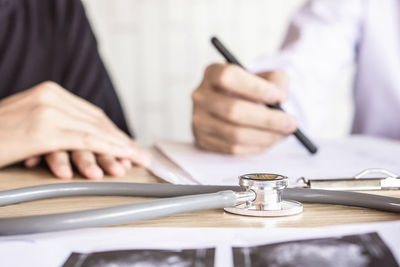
{"points": [[325, 37]]}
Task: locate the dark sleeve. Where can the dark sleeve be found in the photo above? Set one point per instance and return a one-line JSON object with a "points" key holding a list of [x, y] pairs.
{"points": [[77, 65]]}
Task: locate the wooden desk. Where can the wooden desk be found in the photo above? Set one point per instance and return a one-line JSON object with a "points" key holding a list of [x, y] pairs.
{"points": [[314, 215]]}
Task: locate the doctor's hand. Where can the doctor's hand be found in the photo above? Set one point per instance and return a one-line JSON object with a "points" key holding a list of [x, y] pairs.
{"points": [[48, 121], [229, 112]]}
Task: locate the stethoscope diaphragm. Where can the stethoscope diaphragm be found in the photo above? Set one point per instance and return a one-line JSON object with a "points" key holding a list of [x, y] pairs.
{"points": [[268, 196]]}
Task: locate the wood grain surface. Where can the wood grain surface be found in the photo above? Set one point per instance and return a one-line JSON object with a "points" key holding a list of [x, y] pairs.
{"points": [[314, 215]]}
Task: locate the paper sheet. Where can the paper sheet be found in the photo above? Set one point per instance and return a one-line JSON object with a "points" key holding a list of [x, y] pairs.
{"points": [[342, 158], [374, 244]]}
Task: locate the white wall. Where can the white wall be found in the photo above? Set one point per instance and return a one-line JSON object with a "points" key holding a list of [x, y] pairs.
{"points": [[156, 51]]}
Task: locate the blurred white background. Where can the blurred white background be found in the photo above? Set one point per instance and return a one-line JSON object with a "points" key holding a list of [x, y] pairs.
{"points": [[156, 51]]}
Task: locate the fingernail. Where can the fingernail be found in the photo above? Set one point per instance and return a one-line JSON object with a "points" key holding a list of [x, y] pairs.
{"points": [[127, 164], [95, 173], [117, 170], [65, 172]]}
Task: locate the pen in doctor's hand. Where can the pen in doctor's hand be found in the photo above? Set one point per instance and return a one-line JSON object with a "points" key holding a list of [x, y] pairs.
{"points": [[231, 59]]}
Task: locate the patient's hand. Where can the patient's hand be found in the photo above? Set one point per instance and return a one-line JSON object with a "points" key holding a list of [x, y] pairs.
{"points": [[229, 112], [86, 162], [48, 121]]}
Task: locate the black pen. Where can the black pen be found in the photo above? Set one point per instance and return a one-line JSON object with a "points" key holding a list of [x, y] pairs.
{"points": [[231, 59]]}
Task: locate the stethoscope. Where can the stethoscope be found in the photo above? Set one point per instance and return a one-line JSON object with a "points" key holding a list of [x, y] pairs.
{"points": [[259, 194]]}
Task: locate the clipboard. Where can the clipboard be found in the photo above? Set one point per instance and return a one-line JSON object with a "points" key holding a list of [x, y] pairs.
{"points": [[381, 180]]}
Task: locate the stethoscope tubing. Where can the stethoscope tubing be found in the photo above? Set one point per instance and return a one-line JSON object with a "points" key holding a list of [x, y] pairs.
{"points": [[177, 199]]}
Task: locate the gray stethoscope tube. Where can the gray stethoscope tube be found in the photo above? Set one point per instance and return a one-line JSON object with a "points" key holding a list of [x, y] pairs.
{"points": [[180, 198]]}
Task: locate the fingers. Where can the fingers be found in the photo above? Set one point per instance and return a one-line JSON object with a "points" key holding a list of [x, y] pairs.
{"points": [[212, 143], [127, 164], [229, 111], [141, 156], [85, 162], [51, 94], [206, 124], [93, 167], [59, 164], [242, 112], [47, 118], [53, 130], [32, 161], [111, 165], [48, 103], [235, 80]]}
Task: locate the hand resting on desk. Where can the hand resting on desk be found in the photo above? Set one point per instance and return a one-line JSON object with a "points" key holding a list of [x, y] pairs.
{"points": [[49, 122], [229, 112]]}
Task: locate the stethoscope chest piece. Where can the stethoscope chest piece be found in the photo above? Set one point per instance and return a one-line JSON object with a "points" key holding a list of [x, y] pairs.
{"points": [[268, 201]]}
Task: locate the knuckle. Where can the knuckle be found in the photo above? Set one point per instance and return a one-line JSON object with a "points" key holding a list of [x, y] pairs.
{"points": [[196, 132], [220, 74], [231, 134], [233, 110], [41, 113], [99, 111], [280, 75], [45, 92], [196, 118], [224, 75], [200, 117], [197, 95], [234, 150], [100, 114], [238, 135], [211, 69], [50, 85]]}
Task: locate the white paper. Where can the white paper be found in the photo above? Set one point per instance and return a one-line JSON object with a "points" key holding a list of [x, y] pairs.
{"points": [[341, 158], [53, 249]]}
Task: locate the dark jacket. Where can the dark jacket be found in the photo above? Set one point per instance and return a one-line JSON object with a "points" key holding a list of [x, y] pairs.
{"points": [[44, 40]]}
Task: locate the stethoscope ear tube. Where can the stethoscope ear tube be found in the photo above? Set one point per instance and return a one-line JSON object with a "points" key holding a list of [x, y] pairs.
{"points": [[58, 190], [179, 198], [346, 198], [305, 195], [117, 214]]}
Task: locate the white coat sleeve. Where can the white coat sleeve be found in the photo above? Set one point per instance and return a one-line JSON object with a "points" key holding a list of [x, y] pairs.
{"points": [[320, 43]]}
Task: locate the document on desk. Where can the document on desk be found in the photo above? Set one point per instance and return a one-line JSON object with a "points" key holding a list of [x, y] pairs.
{"points": [[372, 245], [341, 158]]}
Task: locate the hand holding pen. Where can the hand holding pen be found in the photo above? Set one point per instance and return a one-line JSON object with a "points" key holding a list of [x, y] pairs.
{"points": [[230, 113]]}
